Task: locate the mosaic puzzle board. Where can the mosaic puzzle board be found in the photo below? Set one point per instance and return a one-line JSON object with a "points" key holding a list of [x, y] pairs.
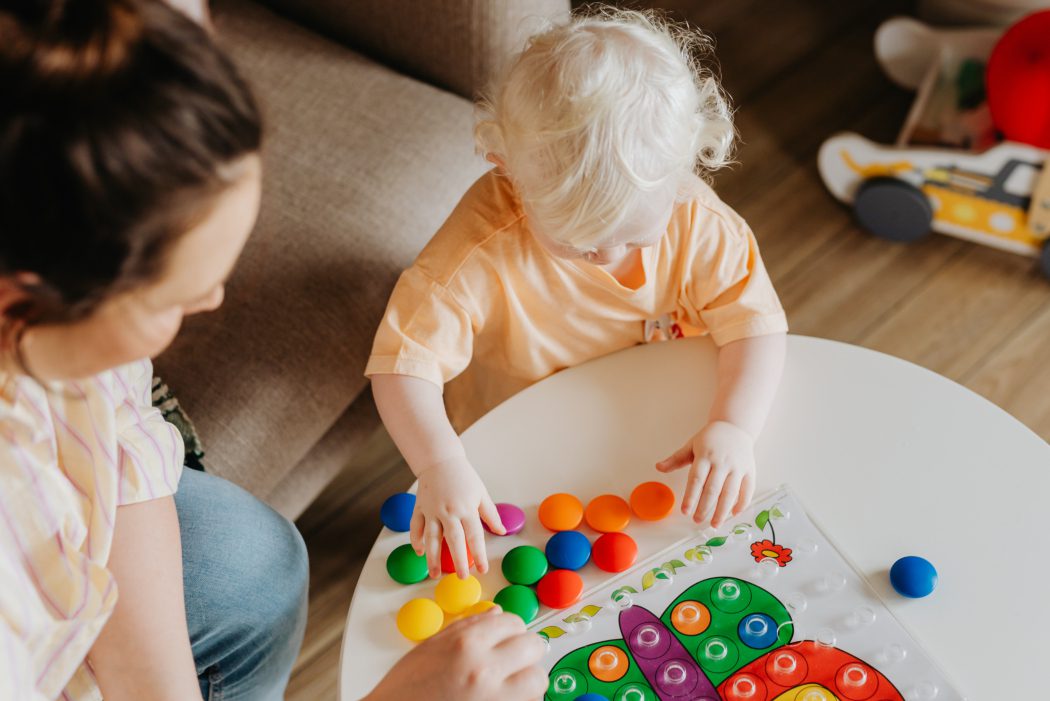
{"points": [[768, 611]]}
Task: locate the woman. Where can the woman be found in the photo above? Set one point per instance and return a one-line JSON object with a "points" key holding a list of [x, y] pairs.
{"points": [[129, 183]]}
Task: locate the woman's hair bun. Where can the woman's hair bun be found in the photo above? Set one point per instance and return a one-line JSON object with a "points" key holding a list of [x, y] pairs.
{"points": [[118, 121], [59, 43]]}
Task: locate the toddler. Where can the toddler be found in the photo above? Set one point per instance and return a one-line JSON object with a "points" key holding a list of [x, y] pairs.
{"points": [[592, 233]]}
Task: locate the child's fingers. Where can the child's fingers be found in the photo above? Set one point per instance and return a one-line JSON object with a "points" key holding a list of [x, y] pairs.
{"points": [[457, 545], [729, 496], [490, 515], [476, 542], [415, 531], [747, 490], [709, 497], [432, 546], [697, 477], [677, 460]]}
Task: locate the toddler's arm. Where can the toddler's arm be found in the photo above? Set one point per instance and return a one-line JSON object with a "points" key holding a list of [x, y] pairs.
{"points": [[451, 495], [721, 455]]}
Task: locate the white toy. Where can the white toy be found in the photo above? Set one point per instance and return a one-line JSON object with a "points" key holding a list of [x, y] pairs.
{"points": [[998, 196]]}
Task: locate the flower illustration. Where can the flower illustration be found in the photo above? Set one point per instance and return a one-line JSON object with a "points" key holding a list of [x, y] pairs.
{"points": [[764, 549]]}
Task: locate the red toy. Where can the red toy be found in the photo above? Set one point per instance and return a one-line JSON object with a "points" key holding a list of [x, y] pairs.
{"points": [[559, 589], [1018, 81], [614, 552], [447, 565]]}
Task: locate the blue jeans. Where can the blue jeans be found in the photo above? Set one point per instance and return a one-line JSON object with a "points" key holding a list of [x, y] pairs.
{"points": [[245, 577]]}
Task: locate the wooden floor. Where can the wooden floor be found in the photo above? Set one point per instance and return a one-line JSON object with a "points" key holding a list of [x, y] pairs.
{"points": [[798, 71]]}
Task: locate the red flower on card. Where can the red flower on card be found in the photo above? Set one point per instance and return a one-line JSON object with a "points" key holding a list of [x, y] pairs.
{"points": [[765, 549]]}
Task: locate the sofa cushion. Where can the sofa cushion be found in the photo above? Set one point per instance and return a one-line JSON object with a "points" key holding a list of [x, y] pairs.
{"points": [[362, 165], [455, 44]]}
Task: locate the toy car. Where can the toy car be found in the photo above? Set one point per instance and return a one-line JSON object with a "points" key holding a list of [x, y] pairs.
{"points": [[943, 174]]}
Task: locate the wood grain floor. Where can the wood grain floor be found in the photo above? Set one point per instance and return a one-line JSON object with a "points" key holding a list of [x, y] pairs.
{"points": [[798, 71]]}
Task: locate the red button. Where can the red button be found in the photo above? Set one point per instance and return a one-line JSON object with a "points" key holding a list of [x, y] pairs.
{"points": [[447, 566], [559, 589], [614, 552]]}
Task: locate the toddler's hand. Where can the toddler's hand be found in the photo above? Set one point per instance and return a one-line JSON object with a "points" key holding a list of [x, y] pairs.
{"points": [[722, 473], [450, 500]]}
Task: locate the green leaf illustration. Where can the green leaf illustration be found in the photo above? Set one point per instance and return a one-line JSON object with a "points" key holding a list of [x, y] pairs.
{"points": [[552, 632], [586, 613], [715, 542], [776, 512], [700, 553], [762, 519], [648, 580], [673, 565], [625, 590]]}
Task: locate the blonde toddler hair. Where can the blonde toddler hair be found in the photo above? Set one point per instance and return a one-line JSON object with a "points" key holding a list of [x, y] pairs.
{"points": [[601, 111]]}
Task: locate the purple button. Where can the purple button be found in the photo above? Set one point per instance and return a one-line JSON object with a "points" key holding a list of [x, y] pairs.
{"points": [[512, 517]]}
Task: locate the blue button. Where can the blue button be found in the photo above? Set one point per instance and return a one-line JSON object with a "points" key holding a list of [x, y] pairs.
{"points": [[568, 550], [913, 576], [757, 631], [396, 512]]}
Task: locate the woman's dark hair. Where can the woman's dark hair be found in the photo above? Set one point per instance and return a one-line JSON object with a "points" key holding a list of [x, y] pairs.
{"points": [[117, 121]]}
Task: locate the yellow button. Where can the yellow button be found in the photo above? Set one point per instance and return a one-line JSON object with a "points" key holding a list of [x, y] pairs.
{"points": [[456, 595], [480, 607], [419, 619]]}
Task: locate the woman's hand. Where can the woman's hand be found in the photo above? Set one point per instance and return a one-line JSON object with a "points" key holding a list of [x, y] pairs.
{"points": [[721, 459], [450, 504], [481, 658]]}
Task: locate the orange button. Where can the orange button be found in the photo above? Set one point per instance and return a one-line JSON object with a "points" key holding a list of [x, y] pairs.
{"points": [[609, 664], [652, 501], [561, 512], [608, 514]]}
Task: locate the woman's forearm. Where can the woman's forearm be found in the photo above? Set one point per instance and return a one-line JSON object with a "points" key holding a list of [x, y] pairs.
{"points": [[144, 650], [414, 414], [749, 372]]}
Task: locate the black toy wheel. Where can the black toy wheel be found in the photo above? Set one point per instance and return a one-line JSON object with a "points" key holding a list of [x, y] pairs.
{"points": [[1044, 259], [893, 209]]}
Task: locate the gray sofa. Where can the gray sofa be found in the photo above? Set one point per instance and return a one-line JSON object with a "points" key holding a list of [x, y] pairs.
{"points": [[369, 146]]}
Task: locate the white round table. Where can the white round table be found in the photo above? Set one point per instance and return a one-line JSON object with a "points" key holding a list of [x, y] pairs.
{"points": [[890, 459]]}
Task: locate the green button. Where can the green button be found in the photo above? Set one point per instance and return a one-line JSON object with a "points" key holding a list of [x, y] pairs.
{"points": [[520, 601], [524, 565], [405, 566]]}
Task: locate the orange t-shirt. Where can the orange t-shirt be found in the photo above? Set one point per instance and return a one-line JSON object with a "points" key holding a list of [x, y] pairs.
{"points": [[485, 310]]}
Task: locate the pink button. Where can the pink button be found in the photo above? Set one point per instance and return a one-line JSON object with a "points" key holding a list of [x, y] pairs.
{"points": [[513, 518]]}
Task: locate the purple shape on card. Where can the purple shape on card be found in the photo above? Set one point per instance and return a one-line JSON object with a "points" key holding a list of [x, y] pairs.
{"points": [[513, 518], [662, 659]]}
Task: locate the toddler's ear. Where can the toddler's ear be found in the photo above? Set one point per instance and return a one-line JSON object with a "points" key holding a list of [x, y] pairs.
{"points": [[495, 160]]}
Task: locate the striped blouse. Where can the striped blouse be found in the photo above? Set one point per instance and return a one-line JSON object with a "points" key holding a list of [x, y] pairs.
{"points": [[70, 454]]}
